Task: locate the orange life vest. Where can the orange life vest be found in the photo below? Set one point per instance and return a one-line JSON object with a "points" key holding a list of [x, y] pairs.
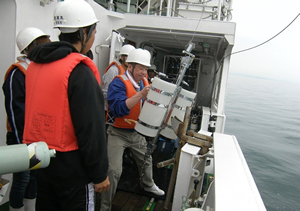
{"points": [[22, 66], [47, 113], [120, 67], [134, 112]]}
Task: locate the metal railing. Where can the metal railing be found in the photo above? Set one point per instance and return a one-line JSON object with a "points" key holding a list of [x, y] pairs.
{"points": [[216, 9]]}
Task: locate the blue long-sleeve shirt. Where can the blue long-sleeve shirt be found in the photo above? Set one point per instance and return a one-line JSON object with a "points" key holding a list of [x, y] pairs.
{"points": [[116, 99]]}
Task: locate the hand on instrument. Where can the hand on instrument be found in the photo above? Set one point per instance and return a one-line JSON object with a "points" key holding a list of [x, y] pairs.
{"points": [[145, 90]]}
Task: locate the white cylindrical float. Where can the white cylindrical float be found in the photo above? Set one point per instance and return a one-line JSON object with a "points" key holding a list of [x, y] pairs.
{"points": [[155, 107], [184, 99], [22, 157]]}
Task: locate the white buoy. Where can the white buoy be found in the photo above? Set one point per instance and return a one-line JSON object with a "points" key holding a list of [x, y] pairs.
{"points": [[22, 157]]}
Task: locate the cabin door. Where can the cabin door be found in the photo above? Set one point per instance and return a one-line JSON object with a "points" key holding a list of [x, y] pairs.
{"points": [[115, 46]]}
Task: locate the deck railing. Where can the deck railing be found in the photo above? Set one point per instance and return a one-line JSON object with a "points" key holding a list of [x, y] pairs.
{"points": [[204, 9]]}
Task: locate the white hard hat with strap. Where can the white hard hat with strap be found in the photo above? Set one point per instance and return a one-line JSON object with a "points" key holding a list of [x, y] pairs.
{"points": [[139, 56], [125, 50], [73, 15], [70, 15], [26, 36]]}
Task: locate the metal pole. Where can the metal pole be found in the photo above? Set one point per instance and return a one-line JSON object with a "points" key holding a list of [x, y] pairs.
{"points": [[185, 63], [160, 7], [128, 6], [219, 10], [110, 5], [148, 6]]}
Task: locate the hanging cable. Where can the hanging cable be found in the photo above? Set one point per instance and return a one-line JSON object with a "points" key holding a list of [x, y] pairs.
{"points": [[197, 25], [247, 49], [266, 40]]}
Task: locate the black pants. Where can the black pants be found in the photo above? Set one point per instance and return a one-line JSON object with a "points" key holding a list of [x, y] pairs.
{"points": [[55, 198]]}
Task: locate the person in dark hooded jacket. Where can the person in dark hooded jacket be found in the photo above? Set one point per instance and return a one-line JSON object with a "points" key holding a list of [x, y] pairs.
{"points": [[65, 108], [23, 189]]}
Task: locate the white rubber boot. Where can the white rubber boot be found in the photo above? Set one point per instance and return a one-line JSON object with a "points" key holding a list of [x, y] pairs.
{"points": [[18, 209], [29, 204]]}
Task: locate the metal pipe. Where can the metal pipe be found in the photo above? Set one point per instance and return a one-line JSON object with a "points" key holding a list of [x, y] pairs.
{"points": [[169, 8], [110, 5], [128, 5], [148, 6], [174, 8], [219, 10], [165, 163], [160, 7]]}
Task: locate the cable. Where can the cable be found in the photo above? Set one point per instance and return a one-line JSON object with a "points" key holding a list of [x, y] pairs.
{"points": [[266, 40], [247, 49], [197, 25]]}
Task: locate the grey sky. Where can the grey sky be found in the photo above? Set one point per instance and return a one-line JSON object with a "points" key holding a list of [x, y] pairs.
{"points": [[258, 21]]}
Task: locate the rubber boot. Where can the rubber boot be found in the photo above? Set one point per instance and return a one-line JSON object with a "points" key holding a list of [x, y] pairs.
{"points": [[29, 204], [18, 209]]}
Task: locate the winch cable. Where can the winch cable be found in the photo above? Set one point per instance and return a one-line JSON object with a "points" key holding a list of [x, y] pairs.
{"points": [[186, 61], [196, 27], [151, 144], [241, 51]]}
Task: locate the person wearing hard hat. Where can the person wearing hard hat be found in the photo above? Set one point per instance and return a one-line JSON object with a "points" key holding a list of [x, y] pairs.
{"points": [[125, 97], [151, 73], [23, 190], [116, 68], [65, 109]]}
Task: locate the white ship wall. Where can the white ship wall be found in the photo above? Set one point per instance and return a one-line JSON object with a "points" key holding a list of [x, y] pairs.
{"points": [[19, 14]]}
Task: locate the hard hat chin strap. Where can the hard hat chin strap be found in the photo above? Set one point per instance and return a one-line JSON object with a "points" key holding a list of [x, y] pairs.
{"points": [[122, 61], [81, 34], [133, 66]]}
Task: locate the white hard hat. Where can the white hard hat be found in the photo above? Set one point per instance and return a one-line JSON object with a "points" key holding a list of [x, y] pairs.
{"points": [[70, 15], [27, 36], [126, 49], [152, 67], [139, 56]]}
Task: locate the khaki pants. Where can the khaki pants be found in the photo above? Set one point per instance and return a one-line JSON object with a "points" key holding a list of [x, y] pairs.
{"points": [[118, 140]]}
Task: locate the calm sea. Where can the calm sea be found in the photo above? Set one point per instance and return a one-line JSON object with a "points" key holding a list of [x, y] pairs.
{"points": [[264, 115]]}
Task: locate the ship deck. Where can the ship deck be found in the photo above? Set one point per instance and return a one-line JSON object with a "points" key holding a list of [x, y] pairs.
{"points": [[130, 196], [126, 201]]}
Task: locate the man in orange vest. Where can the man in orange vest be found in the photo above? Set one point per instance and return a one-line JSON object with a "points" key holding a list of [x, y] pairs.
{"points": [[23, 190], [116, 68], [125, 97], [65, 108]]}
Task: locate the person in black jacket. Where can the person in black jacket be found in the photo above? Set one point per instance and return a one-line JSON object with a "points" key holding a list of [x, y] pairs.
{"points": [[23, 190], [65, 109]]}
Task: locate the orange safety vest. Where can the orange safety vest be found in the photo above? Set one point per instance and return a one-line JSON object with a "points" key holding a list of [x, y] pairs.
{"points": [[47, 113], [22, 66], [120, 67], [134, 112]]}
